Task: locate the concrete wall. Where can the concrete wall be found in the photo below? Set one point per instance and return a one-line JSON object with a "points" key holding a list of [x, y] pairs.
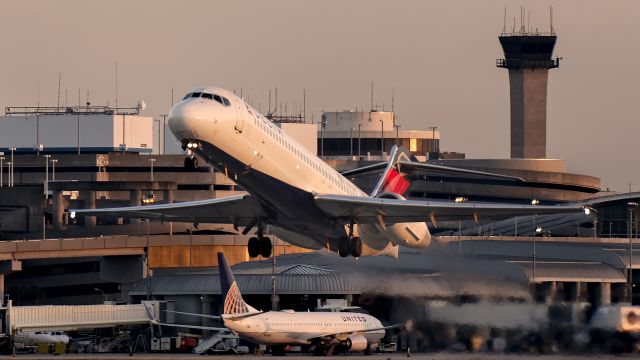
{"points": [[528, 95], [61, 131]]}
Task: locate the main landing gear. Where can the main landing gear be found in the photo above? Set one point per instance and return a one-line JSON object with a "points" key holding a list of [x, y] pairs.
{"points": [[351, 245], [260, 245]]}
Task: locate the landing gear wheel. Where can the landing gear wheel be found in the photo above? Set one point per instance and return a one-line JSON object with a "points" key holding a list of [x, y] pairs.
{"points": [[191, 163], [277, 350], [343, 247], [355, 246], [254, 247], [265, 247]]}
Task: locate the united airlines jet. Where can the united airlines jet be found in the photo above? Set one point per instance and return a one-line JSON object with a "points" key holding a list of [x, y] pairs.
{"points": [[297, 195]]}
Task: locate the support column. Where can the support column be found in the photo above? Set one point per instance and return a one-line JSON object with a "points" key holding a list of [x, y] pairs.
{"points": [[553, 292], [169, 196], [135, 199], [349, 299], [207, 304], [58, 210], [602, 294], [572, 291], [90, 203], [7, 267]]}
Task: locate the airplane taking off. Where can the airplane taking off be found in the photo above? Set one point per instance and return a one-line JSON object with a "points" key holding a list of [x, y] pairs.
{"points": [[303, 200]]}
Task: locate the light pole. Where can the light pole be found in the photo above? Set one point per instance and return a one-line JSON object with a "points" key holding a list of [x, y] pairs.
{"points": [[159, 123], [433, 138], [147, 265], [11, 169], [152, 161], [1, 171], [46, 175], [164, 140], [323, 124], [351, 142], [631, 206], [53, 169], [536, 229], [8, 173], [359, 140], [382, 138], [397, 132]]}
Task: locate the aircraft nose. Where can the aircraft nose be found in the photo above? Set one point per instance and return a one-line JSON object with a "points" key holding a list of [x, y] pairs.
{"points": [[187, 117]]}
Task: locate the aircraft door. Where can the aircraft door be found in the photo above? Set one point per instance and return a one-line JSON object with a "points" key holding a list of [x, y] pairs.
{"points": [[240, 114]]}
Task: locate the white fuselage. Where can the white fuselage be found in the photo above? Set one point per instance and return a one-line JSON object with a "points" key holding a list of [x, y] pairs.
{"points": [[284, 327], [259, 156], [242, 132]]}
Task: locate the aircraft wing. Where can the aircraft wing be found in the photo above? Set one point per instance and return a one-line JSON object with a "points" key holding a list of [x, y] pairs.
{"points": [[342, 335], [239, 210], [406, 166], [180, 326], [371, 210]]}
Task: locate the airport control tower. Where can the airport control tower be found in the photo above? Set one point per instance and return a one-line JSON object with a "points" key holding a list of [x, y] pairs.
{"points": [[528, 59]]}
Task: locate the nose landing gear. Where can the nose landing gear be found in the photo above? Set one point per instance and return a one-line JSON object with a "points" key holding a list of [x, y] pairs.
{"points": [[191, 161]]}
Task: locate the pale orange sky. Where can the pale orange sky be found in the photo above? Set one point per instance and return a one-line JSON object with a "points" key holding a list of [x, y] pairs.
{"points": [[439, 56]]}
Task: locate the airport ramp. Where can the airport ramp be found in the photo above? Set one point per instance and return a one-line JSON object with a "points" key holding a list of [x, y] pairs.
{"points": [[76, 317]]}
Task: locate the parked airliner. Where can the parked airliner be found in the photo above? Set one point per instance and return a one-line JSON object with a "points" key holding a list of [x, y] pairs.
{"points": [[326, 330], [298, 196]]}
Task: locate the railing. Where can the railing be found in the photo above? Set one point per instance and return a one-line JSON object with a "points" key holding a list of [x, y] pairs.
{"points": [[528, 63], [71, 110]]}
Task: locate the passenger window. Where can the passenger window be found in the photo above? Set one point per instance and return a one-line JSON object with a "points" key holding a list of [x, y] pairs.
{"points": [[196, 95], [226, 101], [218, 99], [207, 96]]}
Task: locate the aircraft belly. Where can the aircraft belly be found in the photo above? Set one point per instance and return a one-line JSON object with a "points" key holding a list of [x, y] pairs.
{"points": [[292, 207]]}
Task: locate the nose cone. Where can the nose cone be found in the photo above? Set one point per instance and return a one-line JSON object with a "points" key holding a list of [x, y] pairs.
{"points": [[187, 117]]}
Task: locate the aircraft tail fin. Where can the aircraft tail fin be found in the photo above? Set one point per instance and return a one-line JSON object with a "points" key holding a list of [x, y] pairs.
{"points": [[233, 302], [392, 181]]}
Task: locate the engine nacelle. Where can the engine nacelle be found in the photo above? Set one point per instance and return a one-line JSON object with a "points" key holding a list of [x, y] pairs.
{"points": [[413, 234], [356, 343]]}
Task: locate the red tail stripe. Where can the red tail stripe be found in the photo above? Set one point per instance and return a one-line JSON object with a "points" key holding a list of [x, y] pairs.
{"points": [[396, 183]]}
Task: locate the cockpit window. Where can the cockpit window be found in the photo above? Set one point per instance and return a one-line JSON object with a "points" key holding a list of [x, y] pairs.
{"points": [[226, 101], [186, 96], [218, 99], [207, 96], [196, 94]]}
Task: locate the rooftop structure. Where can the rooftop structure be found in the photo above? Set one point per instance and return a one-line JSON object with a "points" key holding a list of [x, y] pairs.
{"points": [[76, 129]]}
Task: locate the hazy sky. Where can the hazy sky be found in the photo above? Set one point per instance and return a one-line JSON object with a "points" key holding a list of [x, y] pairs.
{"points": [[439, 56]]}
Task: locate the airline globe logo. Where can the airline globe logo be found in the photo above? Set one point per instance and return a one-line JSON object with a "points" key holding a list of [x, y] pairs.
{"points": [[233, 303]]}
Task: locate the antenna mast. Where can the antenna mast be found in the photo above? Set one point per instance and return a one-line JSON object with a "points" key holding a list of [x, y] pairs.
{"points": [[504, 21], [116, 74], [59, 89], [372, 96]]}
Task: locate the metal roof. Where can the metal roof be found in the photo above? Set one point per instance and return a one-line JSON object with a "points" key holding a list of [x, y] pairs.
{"points": [[571, 271], [254, 280]]}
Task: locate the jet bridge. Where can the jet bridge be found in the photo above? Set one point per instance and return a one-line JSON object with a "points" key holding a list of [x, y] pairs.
{"points": [[76, 317]]}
